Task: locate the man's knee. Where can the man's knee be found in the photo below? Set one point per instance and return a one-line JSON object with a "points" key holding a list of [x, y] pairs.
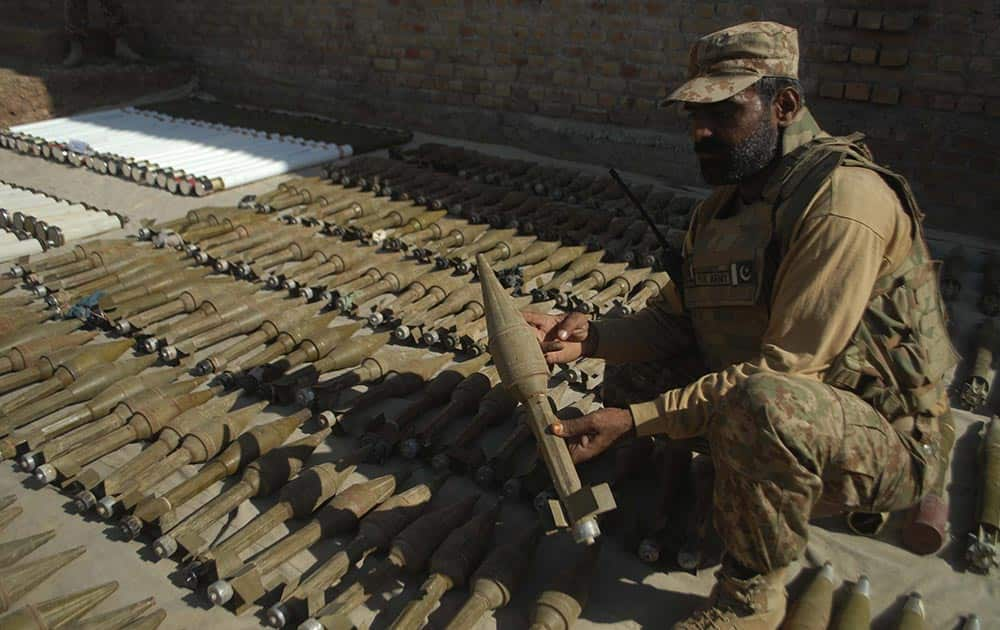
{"points": [[764, 414], [760, 401]]}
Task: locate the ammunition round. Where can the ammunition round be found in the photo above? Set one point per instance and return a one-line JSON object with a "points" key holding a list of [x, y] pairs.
{"points": [[45, 473], [586, 532], [375, 319], [165, 546], [401, 332], [273, 283], [200, 257], [649, 551], [203, 367], [84, 501], [430, 337], [276, 616], [107, 507], [311, 624], [149, 345], [169, 354], [689, 559], [123, 327], [27, 462], [220, 592], [222, 266], [130, 527]]}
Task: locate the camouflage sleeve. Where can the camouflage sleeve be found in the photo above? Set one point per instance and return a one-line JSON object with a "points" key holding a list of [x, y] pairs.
{"points": [[851, 235], [655, 332]]}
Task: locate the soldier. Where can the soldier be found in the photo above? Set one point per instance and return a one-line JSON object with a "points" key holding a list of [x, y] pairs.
{"points": [[810, 296], [76, 29]]}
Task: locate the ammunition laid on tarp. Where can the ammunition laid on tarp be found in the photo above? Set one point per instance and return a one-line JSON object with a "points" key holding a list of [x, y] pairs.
{"points": [[857, 610], [984, 544], [913, 616], [261, 478], [252, 580], [559, 606], [375, 532], [244, 449], [410, 550], [812, 610]]}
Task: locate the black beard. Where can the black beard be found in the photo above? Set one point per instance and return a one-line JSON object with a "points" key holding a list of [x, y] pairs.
{"points": [[742, 160]]}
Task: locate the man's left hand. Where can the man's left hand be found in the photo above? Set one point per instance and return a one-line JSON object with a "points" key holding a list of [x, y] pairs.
{"points": [[592, 434]]}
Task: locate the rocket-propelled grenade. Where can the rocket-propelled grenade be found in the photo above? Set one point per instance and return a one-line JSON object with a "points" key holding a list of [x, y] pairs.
{"points": [[984, 544], [523, 371]]}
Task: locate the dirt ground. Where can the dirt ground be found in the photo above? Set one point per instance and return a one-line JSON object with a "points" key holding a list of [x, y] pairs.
{"points": [[30, 92]]}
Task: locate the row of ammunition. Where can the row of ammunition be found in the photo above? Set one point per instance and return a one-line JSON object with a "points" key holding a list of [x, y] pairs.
{"points": [[185, 403], [556, 183], [17, 579], [814, 610], [32, 221]]}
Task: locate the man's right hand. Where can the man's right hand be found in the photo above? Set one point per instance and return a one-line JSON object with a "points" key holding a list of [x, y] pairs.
{"points": [[563, 338]]}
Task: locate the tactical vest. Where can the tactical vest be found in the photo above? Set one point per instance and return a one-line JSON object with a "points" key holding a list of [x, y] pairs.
{"points": [[900, 353]]}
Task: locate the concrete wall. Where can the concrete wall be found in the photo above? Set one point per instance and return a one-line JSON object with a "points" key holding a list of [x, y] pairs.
{"points": [[579, 79]]}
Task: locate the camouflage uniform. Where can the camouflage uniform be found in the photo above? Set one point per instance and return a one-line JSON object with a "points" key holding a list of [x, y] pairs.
{"points": [[77, 18], [853, 428]]}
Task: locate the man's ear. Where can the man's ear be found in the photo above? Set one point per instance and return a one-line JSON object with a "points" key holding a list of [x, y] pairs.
{"points": [[787, 105]]}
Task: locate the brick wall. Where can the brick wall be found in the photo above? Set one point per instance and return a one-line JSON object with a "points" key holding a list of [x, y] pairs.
{"points": [[581, 78]]}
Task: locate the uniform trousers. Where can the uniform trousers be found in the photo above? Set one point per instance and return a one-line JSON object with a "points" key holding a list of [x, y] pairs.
{"points": [[786, 448]]}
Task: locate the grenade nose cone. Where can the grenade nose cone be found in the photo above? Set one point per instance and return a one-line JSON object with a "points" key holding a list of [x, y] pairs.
{"points": [[220, 592], [45, 473], [130, 527], [27, 462], [84, 501], [106, 507], [276, 617]]}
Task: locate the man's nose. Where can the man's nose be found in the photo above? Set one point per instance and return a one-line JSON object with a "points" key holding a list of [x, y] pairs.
{"points": [[700, 130]]}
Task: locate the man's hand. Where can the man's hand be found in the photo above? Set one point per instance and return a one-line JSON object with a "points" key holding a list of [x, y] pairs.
{"points": [[592, 434], [563, 338]]}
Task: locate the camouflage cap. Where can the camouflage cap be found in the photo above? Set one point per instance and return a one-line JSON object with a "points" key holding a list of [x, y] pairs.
{"points": [[726, 62]]}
